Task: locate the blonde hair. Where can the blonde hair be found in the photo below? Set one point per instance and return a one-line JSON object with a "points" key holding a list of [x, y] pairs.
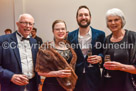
{"points": [[58, 21]]}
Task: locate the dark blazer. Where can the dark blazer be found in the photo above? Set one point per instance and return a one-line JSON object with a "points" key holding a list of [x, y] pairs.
{"points": [[88, 81], [10, 62]]}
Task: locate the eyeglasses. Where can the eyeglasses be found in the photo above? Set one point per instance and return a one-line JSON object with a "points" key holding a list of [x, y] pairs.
{"points": [[26, 23]]}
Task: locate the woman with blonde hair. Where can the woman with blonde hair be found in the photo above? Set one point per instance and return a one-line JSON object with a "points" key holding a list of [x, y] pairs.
{"points": [[56, 61]]}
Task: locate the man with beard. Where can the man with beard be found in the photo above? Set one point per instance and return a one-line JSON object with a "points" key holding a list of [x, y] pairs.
{"points": [[85, 39], [18, 57]]}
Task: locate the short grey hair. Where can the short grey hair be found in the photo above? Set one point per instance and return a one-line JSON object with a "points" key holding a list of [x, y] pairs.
{"points": [[116, 12], [25, 14]]}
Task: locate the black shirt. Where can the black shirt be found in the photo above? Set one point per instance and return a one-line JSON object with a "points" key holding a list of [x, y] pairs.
{"points": [[39, 40], [120, 80]]}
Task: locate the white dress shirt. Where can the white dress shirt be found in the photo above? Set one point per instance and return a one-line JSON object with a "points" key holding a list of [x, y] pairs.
{"points": [[26, 56], [85, 42]]}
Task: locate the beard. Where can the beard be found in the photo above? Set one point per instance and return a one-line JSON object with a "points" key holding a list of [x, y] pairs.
{"points": [[83, 26]]}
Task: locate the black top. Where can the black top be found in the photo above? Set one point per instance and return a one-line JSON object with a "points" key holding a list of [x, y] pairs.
{"points": [[39, 40], [51, 83], [120, 80]]}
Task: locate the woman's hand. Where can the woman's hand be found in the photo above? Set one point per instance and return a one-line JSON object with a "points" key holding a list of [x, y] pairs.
{"points": [[64, 73], [112, 65], [59, 73]]}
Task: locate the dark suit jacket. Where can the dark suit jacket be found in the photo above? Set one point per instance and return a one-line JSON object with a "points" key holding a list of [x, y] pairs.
{"points": [[10, 62], [88, 81]]}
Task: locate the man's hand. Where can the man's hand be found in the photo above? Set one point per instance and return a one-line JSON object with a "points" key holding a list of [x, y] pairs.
{"points": [[94, 59], [20, 79]]}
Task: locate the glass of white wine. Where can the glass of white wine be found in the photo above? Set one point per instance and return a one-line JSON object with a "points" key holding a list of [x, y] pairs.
{"points": [[107, 58], [89, 53], [25, 88]]}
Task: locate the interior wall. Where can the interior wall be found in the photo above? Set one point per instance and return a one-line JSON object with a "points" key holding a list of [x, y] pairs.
{"points": [[9, 12], [46, 11], [18, 9], [6, 15]]}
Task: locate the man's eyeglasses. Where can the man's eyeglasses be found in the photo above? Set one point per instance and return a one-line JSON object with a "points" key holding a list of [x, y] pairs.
{"points": [[26, 23]]}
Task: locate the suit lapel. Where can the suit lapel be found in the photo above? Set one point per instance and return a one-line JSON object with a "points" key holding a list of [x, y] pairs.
{"points": [[76, 37], [15, 49], [33, 47], [77, 43], [93, 37]]}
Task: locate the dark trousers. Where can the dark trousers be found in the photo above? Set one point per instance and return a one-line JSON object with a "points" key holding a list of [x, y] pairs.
{"points": [[32, 86]]}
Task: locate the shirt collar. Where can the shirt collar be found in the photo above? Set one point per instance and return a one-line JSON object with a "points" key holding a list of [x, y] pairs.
{"points": [[20, 35], [88, 34]]}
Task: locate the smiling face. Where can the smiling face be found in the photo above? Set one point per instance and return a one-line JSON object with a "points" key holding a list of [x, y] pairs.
{"points": [[114, 23], [25, 24], [59, 31], [83, 18]]}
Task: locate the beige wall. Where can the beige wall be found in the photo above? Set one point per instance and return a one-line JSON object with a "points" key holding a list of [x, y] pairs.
{"points": [[9, 12], [6, 15], [46, 11]]}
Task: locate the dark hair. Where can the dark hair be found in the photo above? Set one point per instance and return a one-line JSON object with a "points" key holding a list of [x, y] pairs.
{"points": [[83, 6], [8, 30], [35, 29], [58, 21]]}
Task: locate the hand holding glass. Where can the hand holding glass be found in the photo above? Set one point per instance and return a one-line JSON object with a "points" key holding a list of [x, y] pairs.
{"points": [[107, 59], [27, 77], [89, 54]]}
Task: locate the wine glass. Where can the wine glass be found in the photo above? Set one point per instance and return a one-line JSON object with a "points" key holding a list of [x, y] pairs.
{"points": [[107, 58], [25, 89], [89, 53]]}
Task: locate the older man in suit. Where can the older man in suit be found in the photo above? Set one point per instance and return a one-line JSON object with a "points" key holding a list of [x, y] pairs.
{"points": [[85, 39], [17, 58]]}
